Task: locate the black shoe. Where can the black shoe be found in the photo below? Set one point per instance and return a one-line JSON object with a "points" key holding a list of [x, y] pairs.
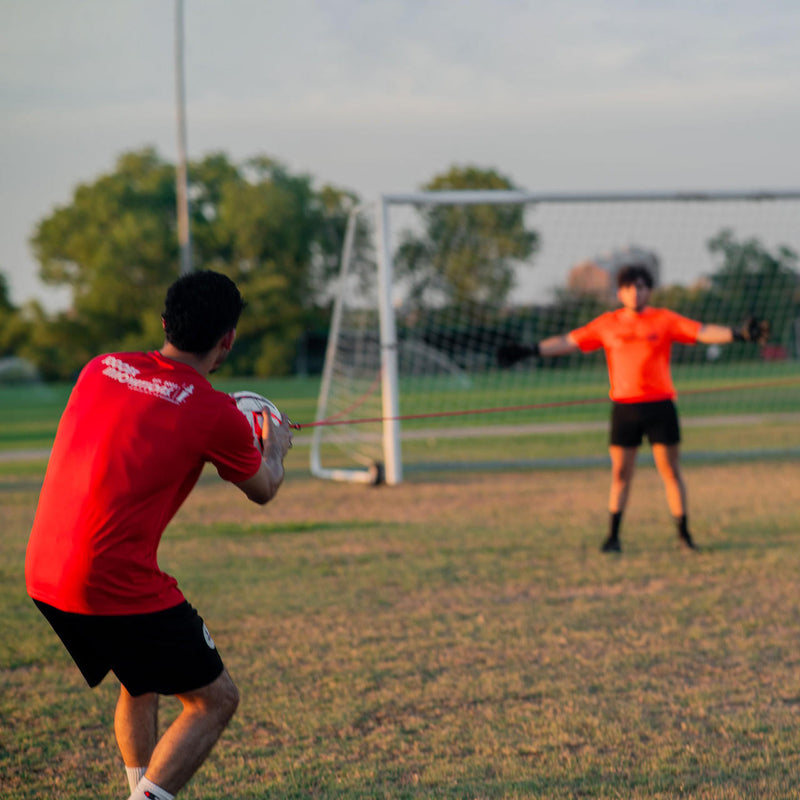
{"points": [[611, 545], [686, 540]]}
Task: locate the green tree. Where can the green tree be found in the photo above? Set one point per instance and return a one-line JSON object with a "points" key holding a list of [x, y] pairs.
{"points": [[14, 329], [5, 295], [279, 239], [696, 302], [58, 344], [752, 281], [115, 246], [337, 206], [465, 253]]}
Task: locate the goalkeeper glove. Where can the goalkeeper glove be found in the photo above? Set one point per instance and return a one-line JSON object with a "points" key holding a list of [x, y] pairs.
{"points": [[753, 330], [510, 354]]}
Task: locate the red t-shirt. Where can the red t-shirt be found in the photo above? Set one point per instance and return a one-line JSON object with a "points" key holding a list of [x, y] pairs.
{"points": [[131, 444], [637, 348]]}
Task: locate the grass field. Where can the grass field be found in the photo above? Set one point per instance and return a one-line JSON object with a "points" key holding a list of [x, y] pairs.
{"points": [[458, 636], [559, 416]]}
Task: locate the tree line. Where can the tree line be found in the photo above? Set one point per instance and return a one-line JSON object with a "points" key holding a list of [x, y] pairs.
{"points": [[115, 247]]}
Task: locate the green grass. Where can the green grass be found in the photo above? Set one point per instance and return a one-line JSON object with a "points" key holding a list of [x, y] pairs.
{"points": [[456, 637], [749, 407], [717, 421], [29, 414], [780, 438]]}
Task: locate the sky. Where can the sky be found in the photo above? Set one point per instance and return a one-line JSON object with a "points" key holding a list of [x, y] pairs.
{"points": [[379, 96]]}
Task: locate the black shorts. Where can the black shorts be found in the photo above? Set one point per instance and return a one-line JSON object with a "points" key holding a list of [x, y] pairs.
{"points": [[631, 421], [168, 652]]}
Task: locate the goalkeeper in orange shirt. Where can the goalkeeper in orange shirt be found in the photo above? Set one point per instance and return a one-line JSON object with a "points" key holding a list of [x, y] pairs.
{"points": [[637, 340]]}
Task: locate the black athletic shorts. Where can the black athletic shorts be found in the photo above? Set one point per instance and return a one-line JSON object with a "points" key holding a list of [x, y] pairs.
{"points": [[168, 652], [631, 421]]}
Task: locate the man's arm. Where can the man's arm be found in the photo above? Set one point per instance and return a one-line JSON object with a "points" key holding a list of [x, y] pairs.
{"points": [[753, 330], [510, 354], [714, 334], [275, 441], [558, 345]]}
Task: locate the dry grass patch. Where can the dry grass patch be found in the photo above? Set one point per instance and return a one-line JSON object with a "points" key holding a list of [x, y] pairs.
{"points": [[460, 637]]}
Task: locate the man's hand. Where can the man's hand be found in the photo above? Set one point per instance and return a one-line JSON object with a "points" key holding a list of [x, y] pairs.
{"points": [[752, 330], [510, 354], [276, 440]]}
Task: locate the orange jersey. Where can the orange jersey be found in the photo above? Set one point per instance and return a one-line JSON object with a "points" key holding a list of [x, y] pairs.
{"points": [[637, 348]]}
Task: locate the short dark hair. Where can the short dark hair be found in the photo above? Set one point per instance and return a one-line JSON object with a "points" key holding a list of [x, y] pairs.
{"points": [[633, 272], [200, 308]]}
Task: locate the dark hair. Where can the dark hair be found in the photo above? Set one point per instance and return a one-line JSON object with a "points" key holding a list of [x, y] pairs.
{"points": [[633, 272], [200, 308]]}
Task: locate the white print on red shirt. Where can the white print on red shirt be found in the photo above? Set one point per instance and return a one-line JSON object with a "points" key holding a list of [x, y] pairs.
{"points": [[172, 392]]}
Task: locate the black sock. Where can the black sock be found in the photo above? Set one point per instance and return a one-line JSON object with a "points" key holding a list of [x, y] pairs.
{"points": [[614, 520], [683, 526]]}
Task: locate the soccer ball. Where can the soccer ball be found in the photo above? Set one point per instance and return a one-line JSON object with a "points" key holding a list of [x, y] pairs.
{"points": [[251, 405]]}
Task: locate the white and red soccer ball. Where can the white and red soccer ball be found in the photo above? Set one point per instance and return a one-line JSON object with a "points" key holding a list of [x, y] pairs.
{"points": [[252, 405]]}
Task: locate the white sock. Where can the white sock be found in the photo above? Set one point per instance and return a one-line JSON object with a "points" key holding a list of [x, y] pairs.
{"points": [[135, 774], [147, 790]]}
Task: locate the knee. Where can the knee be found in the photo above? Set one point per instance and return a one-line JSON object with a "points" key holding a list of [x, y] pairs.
{"points": [[217, 702], [222, 707], [670, 473], [621, 475], [228, 700]]}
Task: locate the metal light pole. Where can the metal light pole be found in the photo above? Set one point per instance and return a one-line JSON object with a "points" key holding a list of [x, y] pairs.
{"points": [[181, 181]]}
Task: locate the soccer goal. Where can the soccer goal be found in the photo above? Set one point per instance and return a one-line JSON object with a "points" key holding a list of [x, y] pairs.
{"points": [[432, 284]]}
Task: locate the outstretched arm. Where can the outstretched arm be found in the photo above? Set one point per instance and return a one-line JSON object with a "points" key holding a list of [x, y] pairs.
{"points": [[510, 354], [558, 345], [753, 330], [715, 334]]}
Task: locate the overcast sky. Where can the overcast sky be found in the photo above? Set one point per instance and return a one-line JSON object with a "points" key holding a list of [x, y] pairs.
{"points": [[381, 95]]}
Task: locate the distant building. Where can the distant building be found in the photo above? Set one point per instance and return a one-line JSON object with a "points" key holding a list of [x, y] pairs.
{"points": [[14, 369], [598, 276], [589, 278]]}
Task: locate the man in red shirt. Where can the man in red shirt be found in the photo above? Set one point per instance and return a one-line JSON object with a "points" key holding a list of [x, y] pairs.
{"points": [[637, 340], [134, 437]]}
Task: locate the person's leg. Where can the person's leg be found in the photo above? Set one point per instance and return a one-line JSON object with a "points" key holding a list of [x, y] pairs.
{"points": [[188, 741], [667, 459], [623, 464], [136, 727], [183, 662]]}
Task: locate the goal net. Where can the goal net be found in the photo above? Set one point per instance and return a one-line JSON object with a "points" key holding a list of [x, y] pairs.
{"points": [[433, 283]]}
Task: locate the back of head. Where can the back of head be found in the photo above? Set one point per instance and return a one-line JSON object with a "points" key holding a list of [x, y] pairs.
{"points": [[200, 308], [632, 273]]}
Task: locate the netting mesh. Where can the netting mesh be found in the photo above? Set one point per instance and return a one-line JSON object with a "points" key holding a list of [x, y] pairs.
{"points": [[715, 260]]}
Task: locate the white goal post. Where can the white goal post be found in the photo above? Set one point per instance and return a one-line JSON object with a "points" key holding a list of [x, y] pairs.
{"points": [[422, 375]]}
